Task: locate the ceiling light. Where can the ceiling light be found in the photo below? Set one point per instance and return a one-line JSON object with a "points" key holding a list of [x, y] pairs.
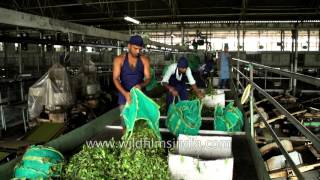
{"points": [[130, 19]]}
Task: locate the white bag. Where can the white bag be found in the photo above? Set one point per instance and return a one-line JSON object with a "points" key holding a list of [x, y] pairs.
{"points": [[189, 168]]}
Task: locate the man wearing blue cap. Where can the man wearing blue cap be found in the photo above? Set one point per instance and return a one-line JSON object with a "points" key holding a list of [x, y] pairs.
{"points": [[175, 80], [131, 70]]}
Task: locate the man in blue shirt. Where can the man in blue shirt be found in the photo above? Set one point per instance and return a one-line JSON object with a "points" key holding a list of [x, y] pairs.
{"points": [[175, 80], [224, 60], [130, 70]]}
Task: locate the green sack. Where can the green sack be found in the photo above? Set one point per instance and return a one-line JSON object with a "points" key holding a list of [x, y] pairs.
{"points": [[141, 107], [165, 69], [184, 117], [46, 152], [153, 83], [27, 173], [228, 119], [40, 162], [193, 61]]}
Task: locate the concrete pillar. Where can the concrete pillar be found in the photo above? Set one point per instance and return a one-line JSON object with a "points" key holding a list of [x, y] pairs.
{"points": [[20, 68], [83, 50], [118, 48], [295, 68], [182, 35], [42, 54], [243, 35], [308, 40], [282, 40], [238, 54], [319, 41]]}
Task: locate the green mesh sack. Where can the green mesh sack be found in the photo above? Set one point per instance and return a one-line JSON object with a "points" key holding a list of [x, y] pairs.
{"points": [[27, 173], [46, 152], [228, 119], [153, 83], [43, 165], [193, 61], [165, 69], [235, 116], [40, 162], [219, 122], [141, 107], [184, 117]]}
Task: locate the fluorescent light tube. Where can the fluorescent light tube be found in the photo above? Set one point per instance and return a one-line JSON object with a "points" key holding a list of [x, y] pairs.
{"points": [[130, 19]]}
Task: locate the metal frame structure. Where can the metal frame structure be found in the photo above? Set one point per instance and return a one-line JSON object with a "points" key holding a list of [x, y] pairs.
{"points": [[307, 133], [109, 14], [17, 18]]}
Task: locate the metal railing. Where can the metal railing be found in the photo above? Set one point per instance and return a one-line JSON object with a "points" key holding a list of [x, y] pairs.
{"points": [[305, 78], [306, 132]]}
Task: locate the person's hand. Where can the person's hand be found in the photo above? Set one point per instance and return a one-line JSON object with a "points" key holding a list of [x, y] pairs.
{"points": [[128, 97], [138, 86], [200, 95], [173, 92]]}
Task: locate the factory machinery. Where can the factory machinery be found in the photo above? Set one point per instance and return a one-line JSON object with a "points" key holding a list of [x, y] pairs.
{"points": [[75, 100]]}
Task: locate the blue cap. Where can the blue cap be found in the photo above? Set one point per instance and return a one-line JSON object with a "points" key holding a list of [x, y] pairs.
{"points": [[182, 63], [136, 40]]}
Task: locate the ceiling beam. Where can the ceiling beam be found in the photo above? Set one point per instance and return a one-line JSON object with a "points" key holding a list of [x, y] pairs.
{"points": [[228, 26], [82, 4], [197, 15], [174, 7], [17, 18], [195, 8], [243, 7], [164, 10]]}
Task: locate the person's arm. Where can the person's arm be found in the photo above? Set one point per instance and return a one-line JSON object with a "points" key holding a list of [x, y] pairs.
{"points": [[147, 78], [197, 91], [165, 80], [192, 82], [117, 62]]}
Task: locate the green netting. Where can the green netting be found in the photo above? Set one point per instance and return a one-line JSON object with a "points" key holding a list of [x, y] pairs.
{"points": [[165, 68], [43, 165], [27, 173], [45, 152], [153, 83], [141, 107], [228, 119], [40, 162], [193, 61], [184, 117]]}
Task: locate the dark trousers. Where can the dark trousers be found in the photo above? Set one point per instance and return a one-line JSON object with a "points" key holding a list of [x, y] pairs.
{"points": [[223, 83]]}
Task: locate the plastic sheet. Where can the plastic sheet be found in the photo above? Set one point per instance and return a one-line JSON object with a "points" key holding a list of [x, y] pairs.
{"points": [[51, 90]]}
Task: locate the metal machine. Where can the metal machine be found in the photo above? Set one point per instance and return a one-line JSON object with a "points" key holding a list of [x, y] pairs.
{"points": [[50, 94]]}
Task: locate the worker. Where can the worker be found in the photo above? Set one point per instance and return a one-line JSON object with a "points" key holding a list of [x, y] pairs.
{"points": [[208, 65], [130, 70], [175, 79], [205, 70], [224, 61]]}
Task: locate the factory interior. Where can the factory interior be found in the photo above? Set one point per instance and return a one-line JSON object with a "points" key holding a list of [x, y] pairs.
{"points": [[246, 107]]}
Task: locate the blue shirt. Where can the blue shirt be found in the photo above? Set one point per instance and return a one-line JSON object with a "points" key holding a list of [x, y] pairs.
{"points": [[224, 66]]}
